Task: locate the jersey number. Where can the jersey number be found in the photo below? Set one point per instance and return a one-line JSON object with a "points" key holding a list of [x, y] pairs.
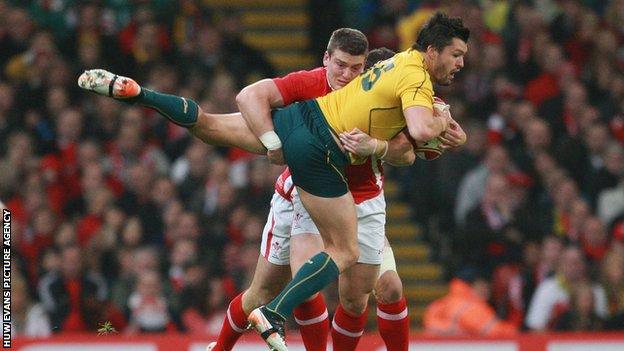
{"points": [[373, 74]]}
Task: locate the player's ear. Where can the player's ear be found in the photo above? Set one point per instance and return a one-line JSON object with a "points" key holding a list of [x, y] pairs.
{"points": [[431, 51], [326, 58]]}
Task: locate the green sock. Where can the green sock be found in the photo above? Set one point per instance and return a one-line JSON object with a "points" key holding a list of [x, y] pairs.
{"points": [[313, 276], [177, 109]]}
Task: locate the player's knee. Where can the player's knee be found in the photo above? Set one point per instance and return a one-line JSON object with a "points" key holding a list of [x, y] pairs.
{"points": [[344, 255], [389, 288], [355, 306], [351, 255]]}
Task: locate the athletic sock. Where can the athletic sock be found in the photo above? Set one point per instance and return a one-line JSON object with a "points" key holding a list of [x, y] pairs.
{"points": [[347, 329], [234, 325], [179, 110], [313, 323], [393, 324], [313, 276]]}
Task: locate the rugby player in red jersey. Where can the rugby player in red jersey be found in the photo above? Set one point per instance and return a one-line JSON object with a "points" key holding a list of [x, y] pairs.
{"points": [[290, 236], [365, 182]]}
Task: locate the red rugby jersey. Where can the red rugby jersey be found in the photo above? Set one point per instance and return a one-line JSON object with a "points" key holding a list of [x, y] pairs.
{"points": [[303, 85], [366, 180]]}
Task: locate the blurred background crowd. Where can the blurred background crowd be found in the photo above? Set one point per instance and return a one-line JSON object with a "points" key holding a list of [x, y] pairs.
{"points": [[119, 215]]}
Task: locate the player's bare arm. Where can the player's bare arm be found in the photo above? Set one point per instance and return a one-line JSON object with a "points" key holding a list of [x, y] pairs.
{"points": [[255, 102], [422, 124], [397, 152], [232, 129], [454, 136], [400, 151]]}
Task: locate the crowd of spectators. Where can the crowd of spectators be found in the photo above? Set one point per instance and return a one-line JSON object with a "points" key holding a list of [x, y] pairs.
{"points": [[117, 214], [121, 216]]}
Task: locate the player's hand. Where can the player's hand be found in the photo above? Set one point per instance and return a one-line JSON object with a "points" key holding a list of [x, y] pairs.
{"points": [[359, 143], [276, 156], [444, 115], [454, 136]]}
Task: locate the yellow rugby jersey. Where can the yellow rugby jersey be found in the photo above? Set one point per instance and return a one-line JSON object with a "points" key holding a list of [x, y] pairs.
{"points": [[374, 101]]}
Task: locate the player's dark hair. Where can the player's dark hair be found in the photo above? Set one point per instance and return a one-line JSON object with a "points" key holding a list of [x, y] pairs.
{"points": [[377, 55], [349, 40], [439, 32]]}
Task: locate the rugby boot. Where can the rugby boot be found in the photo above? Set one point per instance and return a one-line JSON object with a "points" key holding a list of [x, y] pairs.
{"points": [[270, 326], [105, 83]]}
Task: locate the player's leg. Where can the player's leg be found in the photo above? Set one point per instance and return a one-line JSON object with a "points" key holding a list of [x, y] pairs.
{"points": [[311, 315], [177, 109], [336, 221], [356, 284], [392, 313], [267, 281], [214, 129], [317, 164], [335, 218], [226, 130], [271, 275]]}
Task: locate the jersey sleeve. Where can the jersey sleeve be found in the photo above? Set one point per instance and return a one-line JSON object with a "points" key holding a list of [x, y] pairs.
{"points": [[415, 88], [300, 86]]}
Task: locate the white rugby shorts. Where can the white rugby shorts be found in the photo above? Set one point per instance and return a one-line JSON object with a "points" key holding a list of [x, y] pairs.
{"points": [[288, 218]]}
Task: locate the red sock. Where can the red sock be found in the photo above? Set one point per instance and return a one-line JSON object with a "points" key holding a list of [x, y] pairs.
{"points": [[233, 326], [347, 329], [393, 323], [313, 323]]}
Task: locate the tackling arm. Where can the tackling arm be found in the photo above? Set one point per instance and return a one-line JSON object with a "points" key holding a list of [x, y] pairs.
{"points": [[397, 152], [400, 151], [255, 102]]}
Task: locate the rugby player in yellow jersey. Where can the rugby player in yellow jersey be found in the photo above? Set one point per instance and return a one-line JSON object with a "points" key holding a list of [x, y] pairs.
{"points": [[394, 94]]}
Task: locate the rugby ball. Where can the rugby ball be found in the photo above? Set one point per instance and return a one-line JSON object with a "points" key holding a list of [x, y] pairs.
{"points": [[428, 150], [432, 149], [440, 105]]}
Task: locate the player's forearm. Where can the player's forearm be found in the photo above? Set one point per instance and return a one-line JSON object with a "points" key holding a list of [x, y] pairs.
{"points": [[400, 152], [255, 102], [255, 110], [428, 130], [422, 124]]}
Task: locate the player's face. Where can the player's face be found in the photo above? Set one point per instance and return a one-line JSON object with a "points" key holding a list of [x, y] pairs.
{"points": [[447, 62], [342, 67]]}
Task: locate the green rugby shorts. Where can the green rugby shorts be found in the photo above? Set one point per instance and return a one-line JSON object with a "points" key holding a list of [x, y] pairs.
{"points": [[316, 163]]}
